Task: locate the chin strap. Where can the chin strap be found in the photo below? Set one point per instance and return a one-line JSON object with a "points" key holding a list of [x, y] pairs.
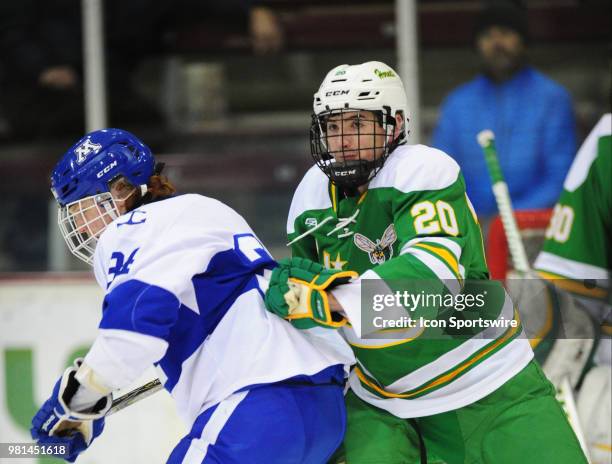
{"points": [[144, 189]]}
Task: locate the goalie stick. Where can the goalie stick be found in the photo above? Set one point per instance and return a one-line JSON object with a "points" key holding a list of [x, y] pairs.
{"points": [[486, 139]]}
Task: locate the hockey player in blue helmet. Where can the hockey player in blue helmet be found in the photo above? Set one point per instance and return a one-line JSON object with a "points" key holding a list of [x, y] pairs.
{"points": [[184, 278], [100, 177]]}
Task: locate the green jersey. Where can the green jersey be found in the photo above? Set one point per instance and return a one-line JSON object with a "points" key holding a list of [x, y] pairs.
{"points": [[578, 242], [414, 221]]}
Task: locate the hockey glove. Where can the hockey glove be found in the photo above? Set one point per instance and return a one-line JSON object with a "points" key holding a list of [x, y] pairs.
{"points": [[298, 292], [56, 424]]}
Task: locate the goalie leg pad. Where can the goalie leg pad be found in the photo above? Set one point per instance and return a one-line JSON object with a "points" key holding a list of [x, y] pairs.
{"points": [[595, 410]]}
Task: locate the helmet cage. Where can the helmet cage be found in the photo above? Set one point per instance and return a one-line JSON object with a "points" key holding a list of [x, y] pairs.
{"points": [[344, 170], [81, 223]]}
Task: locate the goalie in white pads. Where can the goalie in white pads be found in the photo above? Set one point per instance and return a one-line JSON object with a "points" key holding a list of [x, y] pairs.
{"points": [[577, 258], [183, 277]]}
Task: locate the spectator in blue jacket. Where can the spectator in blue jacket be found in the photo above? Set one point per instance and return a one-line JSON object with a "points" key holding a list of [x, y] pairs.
{"points": [[531, 115]]}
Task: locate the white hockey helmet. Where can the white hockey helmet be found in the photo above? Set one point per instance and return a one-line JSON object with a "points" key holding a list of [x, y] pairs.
{"points": [[371, 86]]}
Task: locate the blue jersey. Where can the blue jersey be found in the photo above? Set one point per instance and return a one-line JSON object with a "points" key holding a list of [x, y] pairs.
{"points": [[535, 136], [183, 280]]}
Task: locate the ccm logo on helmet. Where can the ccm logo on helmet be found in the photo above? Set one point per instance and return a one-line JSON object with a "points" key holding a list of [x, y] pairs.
{"points": [[335, 93], [106, 169]]}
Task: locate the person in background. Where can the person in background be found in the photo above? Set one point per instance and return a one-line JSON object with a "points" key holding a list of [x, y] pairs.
{"points": [[531, 115], [41, 84]]}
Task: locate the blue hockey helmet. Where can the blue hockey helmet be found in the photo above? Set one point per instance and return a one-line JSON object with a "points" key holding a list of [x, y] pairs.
{"points": [[81, 184], [101, 156]]}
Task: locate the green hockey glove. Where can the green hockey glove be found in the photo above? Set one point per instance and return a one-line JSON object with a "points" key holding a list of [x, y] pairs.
{"points": [[298, 292]]}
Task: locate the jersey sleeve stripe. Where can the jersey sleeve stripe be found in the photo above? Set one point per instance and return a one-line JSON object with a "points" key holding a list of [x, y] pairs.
{"points": [[569, 268], [445, 255], [447, 243], [454, 357], [440, 269], [139, 307], [449, 376], [423, 250], [399, 338], [574, 286]]}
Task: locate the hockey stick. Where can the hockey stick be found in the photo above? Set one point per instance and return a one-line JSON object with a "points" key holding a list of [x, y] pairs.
{"points": [[486, 139], [69, 428], [134, 396]]}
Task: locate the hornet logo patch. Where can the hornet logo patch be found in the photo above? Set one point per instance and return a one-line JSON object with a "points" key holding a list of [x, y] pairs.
{"points": [[380, 251]]}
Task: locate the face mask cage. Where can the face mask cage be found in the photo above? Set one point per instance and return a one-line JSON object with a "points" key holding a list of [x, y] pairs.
{"points": [[83, 221], [351, 145]]}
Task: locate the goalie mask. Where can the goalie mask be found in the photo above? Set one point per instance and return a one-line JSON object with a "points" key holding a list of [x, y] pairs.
{"points": [[354, 126], [104, 160]]}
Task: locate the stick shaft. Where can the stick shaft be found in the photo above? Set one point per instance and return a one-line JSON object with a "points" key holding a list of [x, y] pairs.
{"points": [[486, 140], [134, 396]]}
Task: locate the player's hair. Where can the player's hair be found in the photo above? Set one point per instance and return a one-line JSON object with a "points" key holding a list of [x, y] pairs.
{"points": [[158, 187]]}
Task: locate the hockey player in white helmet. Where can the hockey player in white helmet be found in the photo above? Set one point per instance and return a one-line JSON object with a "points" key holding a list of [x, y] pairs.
{"points": [[367, 101], [399, 213]]}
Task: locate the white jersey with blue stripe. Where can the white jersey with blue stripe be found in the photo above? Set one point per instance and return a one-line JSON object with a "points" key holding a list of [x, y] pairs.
{"points": [[182, 279]]}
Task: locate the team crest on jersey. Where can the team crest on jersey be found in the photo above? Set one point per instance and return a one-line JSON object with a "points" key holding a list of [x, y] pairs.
{"points": [[86, 149], [379, 251]]}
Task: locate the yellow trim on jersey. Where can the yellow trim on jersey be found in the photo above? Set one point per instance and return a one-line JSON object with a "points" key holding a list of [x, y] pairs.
{"points": [[547, 325], [387, 345], [362, 197], [606, 328], [444, 255], [334, 197], [471, 208], [603, 446], [573, 286], [451, 375], [475, 217]]}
